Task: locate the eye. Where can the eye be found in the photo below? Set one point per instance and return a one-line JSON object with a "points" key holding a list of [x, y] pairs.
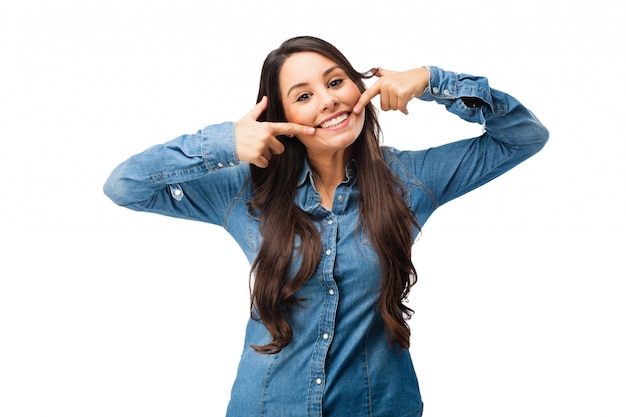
{"points": [[336, 82], [303, 97]]}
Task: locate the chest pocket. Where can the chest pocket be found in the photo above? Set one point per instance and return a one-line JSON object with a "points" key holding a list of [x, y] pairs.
{"points": [[255, 239], [253, 231], [366, 248]]}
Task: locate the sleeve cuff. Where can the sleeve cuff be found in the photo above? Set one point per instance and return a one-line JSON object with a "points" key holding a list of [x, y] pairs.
{"points": [[218, 146]]}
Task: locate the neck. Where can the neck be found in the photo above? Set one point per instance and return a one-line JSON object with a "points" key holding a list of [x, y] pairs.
{"points": [[330, 169], [327, 174]]}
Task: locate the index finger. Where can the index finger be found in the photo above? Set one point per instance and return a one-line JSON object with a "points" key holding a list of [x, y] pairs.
{"points": [[258, 109], [290, 129], [366, 97]]}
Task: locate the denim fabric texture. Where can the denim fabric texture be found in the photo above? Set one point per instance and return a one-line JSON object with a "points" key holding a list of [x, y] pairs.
{"points": [[339, 363]]}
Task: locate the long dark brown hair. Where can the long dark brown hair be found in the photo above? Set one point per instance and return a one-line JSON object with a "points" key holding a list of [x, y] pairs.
{"points": [[382, 213]]}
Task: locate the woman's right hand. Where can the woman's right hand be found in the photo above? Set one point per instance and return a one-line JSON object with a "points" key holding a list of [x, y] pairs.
{"points": [[256, 141]]}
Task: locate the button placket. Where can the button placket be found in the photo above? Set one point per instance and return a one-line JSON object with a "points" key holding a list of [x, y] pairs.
{"points": [[328, 313]]}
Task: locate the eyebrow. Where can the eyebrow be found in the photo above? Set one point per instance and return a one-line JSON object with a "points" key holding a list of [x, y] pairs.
{"points": [[298, 85]]}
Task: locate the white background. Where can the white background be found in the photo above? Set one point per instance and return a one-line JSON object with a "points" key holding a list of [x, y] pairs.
{"points": [[107, 312]]}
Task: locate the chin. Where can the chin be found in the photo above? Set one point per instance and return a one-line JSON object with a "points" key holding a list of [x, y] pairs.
{"points": [[339, 140]]}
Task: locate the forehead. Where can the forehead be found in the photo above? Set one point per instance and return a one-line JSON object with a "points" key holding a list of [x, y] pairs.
{"points": [[303, 67]]}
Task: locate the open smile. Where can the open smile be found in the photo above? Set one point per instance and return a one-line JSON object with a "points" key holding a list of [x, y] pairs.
{"points": [[335, 121]]}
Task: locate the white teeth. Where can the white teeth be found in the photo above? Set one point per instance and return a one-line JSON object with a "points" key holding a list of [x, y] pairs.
{"points": [[333, 122]]}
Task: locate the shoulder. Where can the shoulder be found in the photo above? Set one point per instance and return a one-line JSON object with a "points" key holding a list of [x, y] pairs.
{"points": [[404, 165]]}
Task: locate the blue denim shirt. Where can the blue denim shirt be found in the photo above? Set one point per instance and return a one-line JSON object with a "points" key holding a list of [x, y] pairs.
{"points": [[339, 362]]}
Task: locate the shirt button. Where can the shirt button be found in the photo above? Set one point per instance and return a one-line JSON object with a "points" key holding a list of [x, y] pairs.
{"points": [[435, 90], [340, 198], [330, 222], [446, 92], [219, 164], [331, 292], [328, 251], [318, 381], [177, 192], [325, 336]]}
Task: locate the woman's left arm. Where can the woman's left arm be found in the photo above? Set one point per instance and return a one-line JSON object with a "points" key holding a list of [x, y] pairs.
{"points": [[512, 133]]}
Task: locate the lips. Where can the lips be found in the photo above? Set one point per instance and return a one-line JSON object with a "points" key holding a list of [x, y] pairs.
{"points": [[334, 121]]}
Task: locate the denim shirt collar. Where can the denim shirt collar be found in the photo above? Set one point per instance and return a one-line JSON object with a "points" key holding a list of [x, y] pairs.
{"points": [[307, 172], [308, 198]]}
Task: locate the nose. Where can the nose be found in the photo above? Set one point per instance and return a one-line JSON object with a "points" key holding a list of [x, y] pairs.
{"points": [[328, 101]]}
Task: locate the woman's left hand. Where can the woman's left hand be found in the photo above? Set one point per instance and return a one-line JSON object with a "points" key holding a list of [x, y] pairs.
{"points": [[396, 89]]}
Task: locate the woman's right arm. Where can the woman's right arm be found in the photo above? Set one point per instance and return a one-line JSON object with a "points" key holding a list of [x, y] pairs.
{"points": [[197, 176], [193, 176]]}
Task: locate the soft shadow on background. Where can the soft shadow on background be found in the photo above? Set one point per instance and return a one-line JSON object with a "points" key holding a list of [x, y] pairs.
{"points": [[107, 312]]}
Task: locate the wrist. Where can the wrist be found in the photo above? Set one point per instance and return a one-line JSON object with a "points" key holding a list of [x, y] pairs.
{"points": [[422, 75]]}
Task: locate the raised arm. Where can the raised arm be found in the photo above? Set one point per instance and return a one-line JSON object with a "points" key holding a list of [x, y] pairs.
{"points": [[197, 176], [512, 133]]}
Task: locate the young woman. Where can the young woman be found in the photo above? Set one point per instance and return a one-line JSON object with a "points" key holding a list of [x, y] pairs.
{"points": [[327, 217]]}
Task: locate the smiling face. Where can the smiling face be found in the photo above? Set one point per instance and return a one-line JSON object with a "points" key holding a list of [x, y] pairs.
{"points": [[317, 92]]}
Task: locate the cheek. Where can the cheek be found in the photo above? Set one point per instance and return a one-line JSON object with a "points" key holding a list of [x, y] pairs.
{"points": [[353, 95], [360, 122], [297, 115]]}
